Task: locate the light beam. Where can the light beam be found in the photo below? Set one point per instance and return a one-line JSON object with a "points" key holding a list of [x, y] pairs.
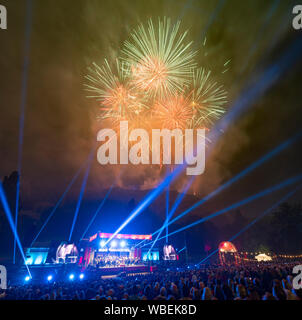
{"points": [[258, 195], [28, 29], [285, 198], [175, 206], [59, 202], [8, 214], [243, 173], [241, 105], [81, 193], [97, 211]]}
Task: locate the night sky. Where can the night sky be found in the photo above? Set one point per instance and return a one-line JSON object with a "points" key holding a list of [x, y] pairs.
{"points": [[60, 122]]}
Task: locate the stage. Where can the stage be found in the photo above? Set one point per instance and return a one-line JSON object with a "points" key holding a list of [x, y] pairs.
{"points": [[126, 269], [62, 271]]}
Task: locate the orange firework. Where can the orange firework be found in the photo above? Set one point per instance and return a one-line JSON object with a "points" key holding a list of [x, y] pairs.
{"points": [[175, 112], [118, 96], [121, 102], [118, 99], [150, 74]]}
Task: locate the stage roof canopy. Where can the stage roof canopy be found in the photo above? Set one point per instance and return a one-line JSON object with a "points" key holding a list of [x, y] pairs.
{"points": [[103, 235]]}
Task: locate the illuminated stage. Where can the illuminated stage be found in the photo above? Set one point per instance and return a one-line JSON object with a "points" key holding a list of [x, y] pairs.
{"points": [[106, 250], [100, 255], [104, 253]]}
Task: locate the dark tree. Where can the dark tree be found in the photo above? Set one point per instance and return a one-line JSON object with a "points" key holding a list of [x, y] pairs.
{"points": [[286, 229], [6, 236], [279, 232]]}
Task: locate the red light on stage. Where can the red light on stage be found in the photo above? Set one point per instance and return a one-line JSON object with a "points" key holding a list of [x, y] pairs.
{"points": [[93, 237], [103, 235]]}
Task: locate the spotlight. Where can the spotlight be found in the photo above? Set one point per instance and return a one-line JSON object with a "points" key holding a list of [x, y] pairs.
{"points": [[27, 278], [49, 278], [81, 276], [123, 244], [71, 276], [113, 243], [102, 243]]}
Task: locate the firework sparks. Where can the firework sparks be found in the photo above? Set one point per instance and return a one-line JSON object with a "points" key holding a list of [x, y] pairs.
{"points": [[155, 83], [159, 59], [174, 112], [119, 101], [208, 99]]}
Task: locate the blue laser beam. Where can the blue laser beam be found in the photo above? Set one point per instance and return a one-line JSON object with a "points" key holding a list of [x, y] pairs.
{"points": [[101, 205], [8, 214], [145, 202], [256, 164], [59, 202], [281, 29], [187, 5], [266, 212], [174, 208], [28, 30], [212, 19], [265, 158], [241, 105], [214, 15], [177, 202], [259, 86], [81, 193], [182, 249], [259, 35], [167, 213], [97, 211], [243, 173], [245, 201], [154, 242]]}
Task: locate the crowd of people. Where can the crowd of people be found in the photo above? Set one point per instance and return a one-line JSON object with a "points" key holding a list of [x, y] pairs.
{"points": [[103, 261], [249, 282]]}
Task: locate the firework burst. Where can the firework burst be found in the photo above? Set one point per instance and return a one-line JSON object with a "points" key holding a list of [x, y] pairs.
{"points": [[174, 112], [155, 83], [208, 99], [118, 99], [158, 58]]}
